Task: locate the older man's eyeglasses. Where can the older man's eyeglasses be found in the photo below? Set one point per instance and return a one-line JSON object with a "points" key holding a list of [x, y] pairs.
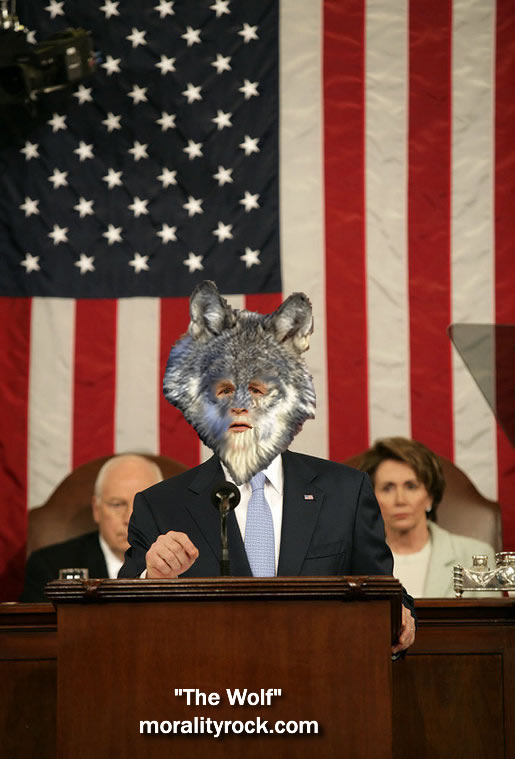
{"points": [[116, 504]]}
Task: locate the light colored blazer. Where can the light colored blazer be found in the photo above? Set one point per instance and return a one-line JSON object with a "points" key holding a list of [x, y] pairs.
{"points": [[447, 550]]}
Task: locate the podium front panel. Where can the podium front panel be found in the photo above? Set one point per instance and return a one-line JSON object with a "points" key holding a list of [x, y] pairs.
{"points": [[123, 664]]}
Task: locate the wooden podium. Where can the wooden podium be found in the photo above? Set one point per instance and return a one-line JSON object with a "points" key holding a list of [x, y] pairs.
{"points": [[297, 650]]}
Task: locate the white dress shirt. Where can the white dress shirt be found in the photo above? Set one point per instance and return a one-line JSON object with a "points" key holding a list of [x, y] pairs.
{"points": [[113, 563], [273, 494]]}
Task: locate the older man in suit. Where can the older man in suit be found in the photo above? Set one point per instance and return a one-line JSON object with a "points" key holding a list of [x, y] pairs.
{"points": [[100, 552]]}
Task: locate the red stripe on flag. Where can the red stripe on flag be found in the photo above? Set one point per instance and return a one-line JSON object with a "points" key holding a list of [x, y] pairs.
{"points": [[505, 234], [94, 380], [344, 136], [263, 304], [429, 223], [177, 438], [15, 316]]}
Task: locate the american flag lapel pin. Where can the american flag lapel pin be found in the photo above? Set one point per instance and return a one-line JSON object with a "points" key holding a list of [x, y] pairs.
{"points": [[309, 497]]}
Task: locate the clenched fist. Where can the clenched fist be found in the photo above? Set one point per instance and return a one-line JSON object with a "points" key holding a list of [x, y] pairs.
{"points": [[170, 556]]}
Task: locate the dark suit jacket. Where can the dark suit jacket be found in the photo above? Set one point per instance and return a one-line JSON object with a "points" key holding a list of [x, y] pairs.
{"points": [[339, 531], [44, 565]]}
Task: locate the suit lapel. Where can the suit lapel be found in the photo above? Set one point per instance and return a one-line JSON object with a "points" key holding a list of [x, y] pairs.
{"points": [[300, 514], [207, 518], [439, 579]]}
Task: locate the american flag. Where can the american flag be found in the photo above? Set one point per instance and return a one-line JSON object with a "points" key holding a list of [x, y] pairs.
{"points": [[363, 153], [161, 169]]}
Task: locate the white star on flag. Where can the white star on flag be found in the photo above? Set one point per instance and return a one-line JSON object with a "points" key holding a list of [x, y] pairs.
{"points": [[167, 121], [248, 32], [30, 206], [249, 145], [110, 8], [167, 234], [59, 234], [113, 178], [31, 37], [139, 207], [192, 36], [166, 65], [111, 65], [139, 263], [192, 93], [168, 177], [30, 262], [83, 94], [58, 178], [193, 206], [112, 122], [250, 201], [84, 151], [222, 119], [223, 231], [223, 176], [220, 7], [57, 122], [85, 263], [221, 63], [55, 9], [138, 94], [137, 37], [193, 149], [193, 262], [249, 89], [113, 234], [250, 257], [30, 150], [139, 151], [165, 8], [84, 207]]}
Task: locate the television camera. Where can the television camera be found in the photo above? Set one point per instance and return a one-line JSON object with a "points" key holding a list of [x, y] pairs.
{"points": [[28, 70]]}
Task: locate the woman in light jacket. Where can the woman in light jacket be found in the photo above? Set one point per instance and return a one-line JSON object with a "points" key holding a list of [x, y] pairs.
{"points": [[409, 484]]}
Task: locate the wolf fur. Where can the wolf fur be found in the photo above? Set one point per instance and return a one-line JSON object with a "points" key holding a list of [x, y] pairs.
{"points": [[243, 347]]}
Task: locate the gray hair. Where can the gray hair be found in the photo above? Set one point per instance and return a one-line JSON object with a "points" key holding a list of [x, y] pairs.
{"points": [[106, 466]]}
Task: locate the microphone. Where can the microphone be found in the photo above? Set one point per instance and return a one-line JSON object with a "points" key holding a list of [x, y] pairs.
{"points": [[225, 497]]}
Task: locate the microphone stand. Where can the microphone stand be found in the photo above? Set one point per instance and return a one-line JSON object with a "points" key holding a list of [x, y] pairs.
{"points": [[225, 497], [225, 564]]}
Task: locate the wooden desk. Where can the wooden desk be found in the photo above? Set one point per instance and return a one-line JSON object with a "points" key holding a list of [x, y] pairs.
{"points": [[453, 695], [28, 680]]}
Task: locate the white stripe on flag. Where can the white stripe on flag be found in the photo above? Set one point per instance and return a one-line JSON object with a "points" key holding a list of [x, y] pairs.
{"points": [[472, 237], [235, 301], [386, 213], [302, 190], [50, 396], [137, 375]]}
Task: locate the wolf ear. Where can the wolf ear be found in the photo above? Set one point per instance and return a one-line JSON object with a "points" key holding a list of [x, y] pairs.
{"points": [[210, 314], [293, 323]]}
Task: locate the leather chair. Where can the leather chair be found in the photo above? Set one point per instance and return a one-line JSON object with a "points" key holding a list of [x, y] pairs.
{"points": [[463, 510], [67, 512]]}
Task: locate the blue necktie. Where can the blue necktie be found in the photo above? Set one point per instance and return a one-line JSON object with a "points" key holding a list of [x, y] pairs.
{"points": [[259, 531]]}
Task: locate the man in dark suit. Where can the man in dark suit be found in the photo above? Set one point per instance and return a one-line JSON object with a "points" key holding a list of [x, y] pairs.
{"points": [[101, 553], [240, 380], [331, 525]]}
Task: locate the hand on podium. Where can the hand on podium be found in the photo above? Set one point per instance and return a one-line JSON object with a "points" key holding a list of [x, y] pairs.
{"points": [[172, 554], [407, 636]]}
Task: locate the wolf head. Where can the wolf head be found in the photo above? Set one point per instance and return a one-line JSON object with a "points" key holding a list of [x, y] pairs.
{"points": [[239, 379]]}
